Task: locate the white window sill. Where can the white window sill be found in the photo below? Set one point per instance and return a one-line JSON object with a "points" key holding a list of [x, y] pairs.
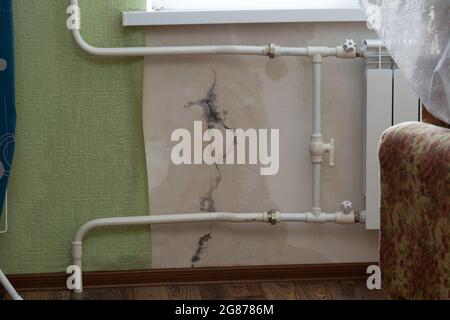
{"points": [[160, 18]]}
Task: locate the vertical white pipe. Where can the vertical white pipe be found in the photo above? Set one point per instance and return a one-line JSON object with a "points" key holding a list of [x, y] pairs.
{"points": [[316, 209], [317, 128], [77, 255], [317, 74], [8, 287]]}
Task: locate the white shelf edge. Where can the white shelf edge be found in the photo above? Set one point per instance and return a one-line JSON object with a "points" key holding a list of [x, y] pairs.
{"points": [[161, 18]]}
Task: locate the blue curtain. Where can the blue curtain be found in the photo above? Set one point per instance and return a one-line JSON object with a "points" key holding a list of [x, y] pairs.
{"points": [[7, 97]]}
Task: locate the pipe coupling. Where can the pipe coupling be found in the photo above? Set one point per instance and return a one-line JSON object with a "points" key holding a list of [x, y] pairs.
{"points": [[316, 217], [316, 211], [317, 58], [74, 20], [318, 52], [77, 250], [272, 217], [360, 216], [273, 51]]}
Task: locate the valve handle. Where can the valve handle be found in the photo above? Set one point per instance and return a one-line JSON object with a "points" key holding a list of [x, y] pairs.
{"points": [[349, 45], [329, 148], [346, 206]]}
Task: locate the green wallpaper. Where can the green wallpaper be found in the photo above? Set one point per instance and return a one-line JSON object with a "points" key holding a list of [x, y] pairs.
{"points": [[80, 149]]}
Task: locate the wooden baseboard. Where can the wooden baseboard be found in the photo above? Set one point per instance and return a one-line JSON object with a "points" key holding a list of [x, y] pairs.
{"points": [[196, 275]]}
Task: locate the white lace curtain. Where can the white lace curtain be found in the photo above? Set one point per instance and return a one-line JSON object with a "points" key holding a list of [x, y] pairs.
{"points": [[417, 35]]}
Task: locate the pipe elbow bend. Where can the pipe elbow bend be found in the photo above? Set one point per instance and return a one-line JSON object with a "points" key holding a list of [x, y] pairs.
{"points": [[84, 229]]}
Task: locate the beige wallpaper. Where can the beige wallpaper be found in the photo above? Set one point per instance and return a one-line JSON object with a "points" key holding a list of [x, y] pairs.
{"points": [[255, 92]]}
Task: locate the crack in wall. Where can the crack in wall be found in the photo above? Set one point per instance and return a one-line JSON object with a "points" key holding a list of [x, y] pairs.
{"points": [[211, 113], [215, 119], [207, 203], [201, 247]]}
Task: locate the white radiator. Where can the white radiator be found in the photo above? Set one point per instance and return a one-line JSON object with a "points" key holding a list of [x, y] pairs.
{"points": [[389, 101]]}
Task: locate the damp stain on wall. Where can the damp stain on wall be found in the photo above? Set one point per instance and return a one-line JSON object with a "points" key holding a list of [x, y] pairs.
{"points": [[201, 247], [215, 118], [207, 203]]}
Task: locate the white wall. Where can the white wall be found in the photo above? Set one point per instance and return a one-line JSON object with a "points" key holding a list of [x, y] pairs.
{"points": [[259, 93]]}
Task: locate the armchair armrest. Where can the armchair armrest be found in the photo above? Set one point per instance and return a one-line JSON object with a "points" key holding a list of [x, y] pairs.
{"points": [[415, 206]]}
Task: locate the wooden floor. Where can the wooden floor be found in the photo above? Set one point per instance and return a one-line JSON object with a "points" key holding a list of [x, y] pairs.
{"points": [[305, 290]]}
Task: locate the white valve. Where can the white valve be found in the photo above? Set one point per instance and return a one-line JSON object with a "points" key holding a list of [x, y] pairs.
{"points": [[348, 50], [346, 207], [318, 148]]}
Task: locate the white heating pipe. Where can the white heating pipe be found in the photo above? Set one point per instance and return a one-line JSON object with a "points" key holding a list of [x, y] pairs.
{"points": [[267, 217], [8, 287], [317, 93], [270, 50], [187, 50], [317, 129]]}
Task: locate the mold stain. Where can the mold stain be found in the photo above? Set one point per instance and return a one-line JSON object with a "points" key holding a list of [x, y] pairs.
{"points": [[213, 116], [215, 119], [201, 247], [207, 203]]}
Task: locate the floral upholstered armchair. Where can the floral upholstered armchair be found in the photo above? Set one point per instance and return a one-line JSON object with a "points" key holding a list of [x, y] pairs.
{"points": [[415, 207]]}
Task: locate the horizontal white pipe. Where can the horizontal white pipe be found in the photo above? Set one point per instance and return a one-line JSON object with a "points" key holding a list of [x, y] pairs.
{"points": [[195, 217], [291, 51], [309, 217], [168, 219], [203, 217], [173, 50], [268, 217], [200, 217], [8, 287], [266, 50]]}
